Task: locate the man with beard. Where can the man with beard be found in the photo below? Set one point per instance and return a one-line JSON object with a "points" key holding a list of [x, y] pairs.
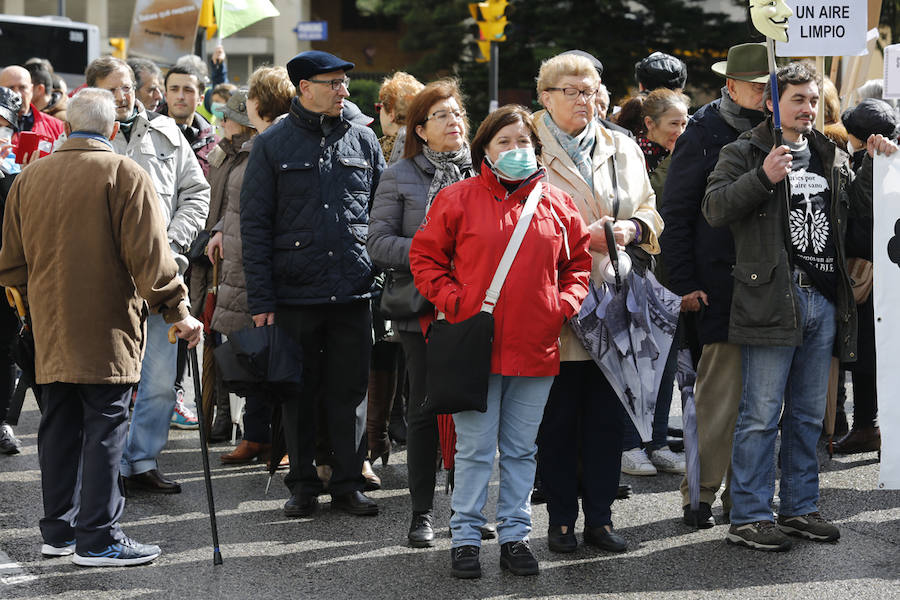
{"points": [[154, 142], [792, 303], [698, 260]]}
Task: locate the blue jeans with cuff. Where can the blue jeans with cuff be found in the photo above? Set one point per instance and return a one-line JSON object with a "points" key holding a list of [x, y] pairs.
{"points": [[515, 407]]}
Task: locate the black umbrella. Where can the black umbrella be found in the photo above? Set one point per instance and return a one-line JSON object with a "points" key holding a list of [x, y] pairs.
{"points": [[22, 352], [261, 359]]}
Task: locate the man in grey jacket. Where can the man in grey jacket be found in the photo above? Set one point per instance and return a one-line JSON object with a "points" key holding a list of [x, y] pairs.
{"points": [[787, 206], [155, 143]]}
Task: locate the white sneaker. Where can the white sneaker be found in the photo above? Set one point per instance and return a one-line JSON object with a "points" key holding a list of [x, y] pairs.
{"points": [[667, 461], [635, 462]]}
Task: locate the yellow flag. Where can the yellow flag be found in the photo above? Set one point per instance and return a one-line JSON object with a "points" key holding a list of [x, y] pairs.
{"points": [[208, 19]]}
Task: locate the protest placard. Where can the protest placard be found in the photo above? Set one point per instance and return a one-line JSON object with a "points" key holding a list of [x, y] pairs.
{"points": [[163, 30], [886, 277], [826, 28]]}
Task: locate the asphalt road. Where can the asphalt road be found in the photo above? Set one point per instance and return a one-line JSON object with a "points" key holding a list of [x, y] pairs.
{"points": [[333, 555]]}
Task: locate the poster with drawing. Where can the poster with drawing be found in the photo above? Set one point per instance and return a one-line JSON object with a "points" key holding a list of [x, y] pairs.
{"points": [[886, 262]]}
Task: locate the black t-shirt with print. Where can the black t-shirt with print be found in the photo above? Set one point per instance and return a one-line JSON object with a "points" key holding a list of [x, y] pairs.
{"points": [[812, 239]]}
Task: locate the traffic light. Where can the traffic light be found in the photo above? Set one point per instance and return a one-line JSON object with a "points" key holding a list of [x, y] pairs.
{"points": [[491, 21], [118, 45]]}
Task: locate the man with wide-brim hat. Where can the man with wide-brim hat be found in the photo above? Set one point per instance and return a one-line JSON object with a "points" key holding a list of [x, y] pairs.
{"points": [[699, 259], [305, 201]]}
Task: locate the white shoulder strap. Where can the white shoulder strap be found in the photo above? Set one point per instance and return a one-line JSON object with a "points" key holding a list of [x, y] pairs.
{"points": [[493, 293]]}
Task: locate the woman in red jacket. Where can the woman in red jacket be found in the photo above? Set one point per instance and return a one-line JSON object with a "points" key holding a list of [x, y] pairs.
{"points": [[453, 258]]}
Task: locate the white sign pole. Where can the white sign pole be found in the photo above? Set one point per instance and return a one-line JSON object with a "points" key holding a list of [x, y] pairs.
{"points": [[886, 277]]}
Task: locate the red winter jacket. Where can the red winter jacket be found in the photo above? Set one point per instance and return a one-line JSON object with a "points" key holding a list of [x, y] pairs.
{"points": [[43, 124], [456, 251]]}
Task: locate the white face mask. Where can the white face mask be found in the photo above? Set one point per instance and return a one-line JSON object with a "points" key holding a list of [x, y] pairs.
{"points": [[6, 133], [850, 147]]}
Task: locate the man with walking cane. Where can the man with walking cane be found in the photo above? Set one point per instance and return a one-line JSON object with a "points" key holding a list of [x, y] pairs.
{"points": [[88, 271]]}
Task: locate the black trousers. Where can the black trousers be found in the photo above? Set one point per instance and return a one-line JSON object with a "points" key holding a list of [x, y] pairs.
{"points": [[80, 443], [337, 344], [583, 419], [865, 397], [421, 427], [9, 327]]}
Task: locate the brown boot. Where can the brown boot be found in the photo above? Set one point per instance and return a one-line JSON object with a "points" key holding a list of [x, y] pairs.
{"points": [[864, 439], [246, 452], [378, 413], [373, 481]]}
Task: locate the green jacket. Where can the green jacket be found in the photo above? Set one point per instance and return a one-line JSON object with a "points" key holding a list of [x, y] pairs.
{"points": [[764, 307]]}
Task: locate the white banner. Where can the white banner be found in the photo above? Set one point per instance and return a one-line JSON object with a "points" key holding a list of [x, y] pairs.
{"points": [[886, 260], [826, 28]]}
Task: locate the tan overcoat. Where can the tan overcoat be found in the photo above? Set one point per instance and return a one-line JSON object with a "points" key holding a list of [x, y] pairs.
{"points": [[84, 232]]}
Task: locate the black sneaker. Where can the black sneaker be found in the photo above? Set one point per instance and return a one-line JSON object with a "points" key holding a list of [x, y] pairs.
{"points": [[125, 552], [812, 526], [701, 518], [761, 535], [464, 563], [421, 530], [518, 559]]}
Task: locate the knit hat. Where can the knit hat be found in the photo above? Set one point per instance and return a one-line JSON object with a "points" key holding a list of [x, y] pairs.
{"points": [[869, 117]]}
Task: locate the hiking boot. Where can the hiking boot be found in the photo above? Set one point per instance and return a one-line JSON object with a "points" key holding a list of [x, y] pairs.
{"points": [[518, 559], [667, 461], [8, 442], [464, 563], [812, 527], [635, 462], [761, 535], [182, 417], [125, 552]]}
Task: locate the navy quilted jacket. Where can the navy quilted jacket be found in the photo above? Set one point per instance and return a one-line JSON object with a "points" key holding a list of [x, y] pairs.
{"points": [[304, 212]]}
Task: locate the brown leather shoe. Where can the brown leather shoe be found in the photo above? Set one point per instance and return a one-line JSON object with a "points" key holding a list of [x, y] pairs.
{"points": [[373, 481], [865, 439], [246, 452], [152, 481]]}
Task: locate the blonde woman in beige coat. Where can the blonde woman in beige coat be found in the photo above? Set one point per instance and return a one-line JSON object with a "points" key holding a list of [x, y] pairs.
{"points": [[583, 418]]}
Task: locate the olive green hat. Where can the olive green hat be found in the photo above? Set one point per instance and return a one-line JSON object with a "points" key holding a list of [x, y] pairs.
{"points": [[746, 62]]}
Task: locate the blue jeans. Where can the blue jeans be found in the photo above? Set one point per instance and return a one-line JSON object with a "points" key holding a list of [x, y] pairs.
{"points": [[799, 377], [515, 407], [155, 401]]}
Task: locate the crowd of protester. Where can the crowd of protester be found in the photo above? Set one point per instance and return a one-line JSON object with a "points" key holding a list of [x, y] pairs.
{"points": [[279, 197]]}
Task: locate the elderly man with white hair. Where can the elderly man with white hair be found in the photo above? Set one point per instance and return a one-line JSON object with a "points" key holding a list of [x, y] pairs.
{"points": [[87, 272]]}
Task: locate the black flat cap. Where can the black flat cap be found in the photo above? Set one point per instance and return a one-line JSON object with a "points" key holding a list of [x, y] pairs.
{"points": [[10, 104], [314, 62], [660, 70], [869, 117], [594, 60]]}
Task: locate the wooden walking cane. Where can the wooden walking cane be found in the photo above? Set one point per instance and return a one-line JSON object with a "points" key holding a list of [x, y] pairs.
{"points": [[204, 452]]}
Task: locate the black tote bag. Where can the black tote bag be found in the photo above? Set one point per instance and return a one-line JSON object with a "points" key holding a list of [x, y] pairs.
{"points": [[400, 300], [458, 364]]}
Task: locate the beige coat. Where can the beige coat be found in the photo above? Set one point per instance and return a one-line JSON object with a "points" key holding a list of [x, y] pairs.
{"points": [[636, 197], [83, 229]]}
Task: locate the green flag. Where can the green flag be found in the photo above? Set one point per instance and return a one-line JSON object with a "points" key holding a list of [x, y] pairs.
{"points": [[234, 15]]}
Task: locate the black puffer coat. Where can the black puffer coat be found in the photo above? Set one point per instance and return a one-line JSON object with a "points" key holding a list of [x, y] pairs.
{"points": [[305, 212]]}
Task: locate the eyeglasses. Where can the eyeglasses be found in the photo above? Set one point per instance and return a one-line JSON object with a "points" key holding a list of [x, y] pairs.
{"points": [[378, 107], [442, 116], [334, 83], [572, 93], [125, 89]]}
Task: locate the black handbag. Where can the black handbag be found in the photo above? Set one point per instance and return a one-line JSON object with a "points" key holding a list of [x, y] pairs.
{"points": [[196, 252], [458, 355], [400, 300]]}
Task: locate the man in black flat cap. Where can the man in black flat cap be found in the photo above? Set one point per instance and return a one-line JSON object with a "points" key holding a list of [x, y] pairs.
{"points": [[304, 221]]}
